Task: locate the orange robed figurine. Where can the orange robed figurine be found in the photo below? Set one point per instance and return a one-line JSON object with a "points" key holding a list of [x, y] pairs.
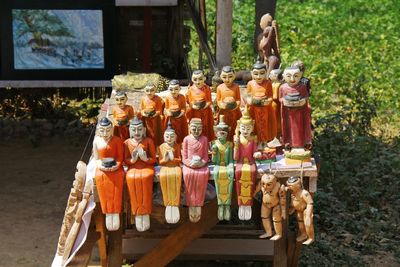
{"points": [[108, 153], [276, 78], [259, 99], [199, 98], [151, 106], [175, 109], [140, 157], [228, 99], [122, 114], [170, 174]]}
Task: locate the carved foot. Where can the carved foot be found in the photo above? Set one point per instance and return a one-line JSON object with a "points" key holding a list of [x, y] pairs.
{"points": [[172, 214], [112, 221], [227, 213], [308, 241], [142, 222], [220, 212], [194, 214], [247, 213], [266, 235], [276, 237], [301, 238], [241, 213]]}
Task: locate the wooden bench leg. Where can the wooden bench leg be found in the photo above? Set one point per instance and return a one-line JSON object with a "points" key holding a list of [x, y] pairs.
{"points": [[102, 243], [293, 251], [115, 248]]}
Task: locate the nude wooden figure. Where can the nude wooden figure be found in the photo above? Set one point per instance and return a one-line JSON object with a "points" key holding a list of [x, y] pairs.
{"points": [[195, 169], [170, 174], [140, 156], [108, 153], [122, 114]]}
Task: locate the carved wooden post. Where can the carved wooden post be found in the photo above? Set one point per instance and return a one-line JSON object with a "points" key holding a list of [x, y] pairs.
{"points": [[224, 33]]}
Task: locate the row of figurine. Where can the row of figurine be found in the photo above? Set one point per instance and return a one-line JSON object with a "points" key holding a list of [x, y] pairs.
{"points": [[280, 110], [234, 162]]}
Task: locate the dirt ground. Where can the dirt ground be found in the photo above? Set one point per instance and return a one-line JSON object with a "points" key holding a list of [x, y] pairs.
{"points": [[34, 187]]}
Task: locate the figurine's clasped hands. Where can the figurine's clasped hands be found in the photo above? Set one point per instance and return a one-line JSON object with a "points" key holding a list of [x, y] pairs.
{"points": [[257, 155], [142, 155]]}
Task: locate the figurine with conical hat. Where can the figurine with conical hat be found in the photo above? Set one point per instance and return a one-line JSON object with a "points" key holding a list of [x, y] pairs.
{"points": [[244, 153], [301, 203], [296, 116], [122, 114], [108, 151], [223, 172], [151, 106], [259, 99], [140, 156], [273, 203], [195, 169], [199, 99], [169, 157], [228, 99], [175, 110]]}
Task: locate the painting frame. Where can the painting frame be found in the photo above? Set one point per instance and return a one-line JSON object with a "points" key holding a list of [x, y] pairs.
{"points": [[103, 71]]}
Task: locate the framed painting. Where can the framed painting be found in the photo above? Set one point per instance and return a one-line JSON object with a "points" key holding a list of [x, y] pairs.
{"points": [[54, 39]]}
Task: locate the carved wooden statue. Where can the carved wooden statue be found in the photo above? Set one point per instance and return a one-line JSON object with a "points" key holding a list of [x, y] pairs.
{"points": [[245, 152], [122, 114], [140, 156], [228, 99], [223, 173], [303, 80], [151, 106], [301, 203], [276, 78], [170, 174], [199, 98], [195, 169], [175, 110], [269, 51], [108, 153], [273, 202], [259, 98], [296, 115]]}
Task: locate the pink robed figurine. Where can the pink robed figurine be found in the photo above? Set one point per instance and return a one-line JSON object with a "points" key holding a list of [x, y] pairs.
{"points": [[195, 169]]}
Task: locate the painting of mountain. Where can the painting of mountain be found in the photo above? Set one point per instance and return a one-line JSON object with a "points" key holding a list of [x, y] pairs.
{"points": [[57, 39]]}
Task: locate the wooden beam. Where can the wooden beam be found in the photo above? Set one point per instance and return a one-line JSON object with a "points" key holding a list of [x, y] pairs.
{"points": [[146, 2], [54, 84], [224, 33], [170, 247]]}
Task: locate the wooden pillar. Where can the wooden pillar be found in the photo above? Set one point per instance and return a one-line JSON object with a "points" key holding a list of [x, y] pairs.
{"points": [[224, 33]]}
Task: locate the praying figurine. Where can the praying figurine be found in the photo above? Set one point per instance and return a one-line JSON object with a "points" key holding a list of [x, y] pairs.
{"points": [[268, 42], [175, 109], [140, 156], [244, 153], [151, 106], [108, 151], [199, 99], [195, 169], [296, 115], [276, 78], [259, 98], [170, 174], [122, 114], [223, 173], [228, 99], [273, 202], [301, 203]]}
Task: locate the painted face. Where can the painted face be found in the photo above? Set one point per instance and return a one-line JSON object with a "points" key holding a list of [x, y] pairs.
{"points": [[170, 138], [121, 100], [295, 186], [221, 135], [198, 80], [246, 129], [268, 182], [259, 75], [137, 132], [273, 76], [150, 91], [227, 78], [195, 129], [174, 90], [105, 132], [292, 76]]}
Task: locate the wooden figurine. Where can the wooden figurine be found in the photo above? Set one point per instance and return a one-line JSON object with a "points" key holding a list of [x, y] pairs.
{"points": [[108, 153], [170, 174], [175, 109], [259, 98], [303, 80], [199, 98], [269, 50], [296, 115], [228, 99], [140, 156], [276, 78], [273, 202], [122, 114], [245, 153], [151, 106], [223, 172], [301, 203], [195, 169]]}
